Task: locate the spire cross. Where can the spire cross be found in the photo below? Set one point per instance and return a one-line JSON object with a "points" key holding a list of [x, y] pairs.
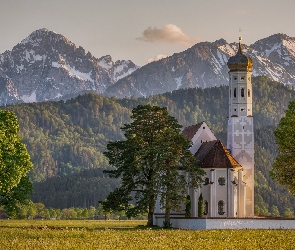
{"points": [[240, 34]]}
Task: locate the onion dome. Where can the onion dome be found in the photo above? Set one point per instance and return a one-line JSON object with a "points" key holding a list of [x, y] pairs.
{"points": [[240, 61]]}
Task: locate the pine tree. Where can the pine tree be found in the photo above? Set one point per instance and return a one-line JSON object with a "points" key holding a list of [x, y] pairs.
{"points": [[152, 162], [200, 206]]}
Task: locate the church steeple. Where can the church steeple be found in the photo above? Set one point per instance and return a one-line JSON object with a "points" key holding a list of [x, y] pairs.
{"points": [[240, 61], [240, 139]]}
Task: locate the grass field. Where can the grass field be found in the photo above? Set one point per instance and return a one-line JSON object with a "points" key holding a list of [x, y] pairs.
{"points": [[62, 234]]}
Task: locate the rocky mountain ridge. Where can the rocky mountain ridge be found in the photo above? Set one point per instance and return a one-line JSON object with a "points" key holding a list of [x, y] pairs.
{"points": [[47, 66], [205, 65]]}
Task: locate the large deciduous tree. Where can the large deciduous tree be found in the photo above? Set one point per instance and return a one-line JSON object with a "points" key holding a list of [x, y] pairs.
{"points": [[283, 169], [153, 161], [15, 163]]}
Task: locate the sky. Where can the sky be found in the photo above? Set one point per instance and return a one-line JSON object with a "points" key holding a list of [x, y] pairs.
{"points": [[145, 30]]}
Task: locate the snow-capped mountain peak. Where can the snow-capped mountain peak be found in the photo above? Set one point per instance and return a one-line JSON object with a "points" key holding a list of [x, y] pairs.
{"points": [[47, 66]]}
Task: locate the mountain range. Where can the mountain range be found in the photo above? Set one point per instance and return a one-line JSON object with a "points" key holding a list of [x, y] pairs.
{"points": [[47, 66]]}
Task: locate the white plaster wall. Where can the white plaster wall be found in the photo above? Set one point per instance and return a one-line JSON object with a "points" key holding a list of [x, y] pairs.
{"points": [[221, 191], [203, 134], [220, 223]]}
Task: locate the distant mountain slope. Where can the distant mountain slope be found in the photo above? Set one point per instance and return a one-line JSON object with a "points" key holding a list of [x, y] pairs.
{"points": [[66, 139], [47, 66], [205, 65]]}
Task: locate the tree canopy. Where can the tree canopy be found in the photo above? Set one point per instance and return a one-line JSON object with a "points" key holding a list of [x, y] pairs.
{"points": [[150, 162], [15, 163], [283, 169]]}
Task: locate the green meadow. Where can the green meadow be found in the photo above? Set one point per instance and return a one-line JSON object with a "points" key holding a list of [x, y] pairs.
{"points": [[80, 234]]}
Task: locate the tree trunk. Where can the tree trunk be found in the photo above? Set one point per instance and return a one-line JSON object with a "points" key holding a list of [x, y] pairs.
{"points": [[150, 218], [151, 211], [167, 218]]}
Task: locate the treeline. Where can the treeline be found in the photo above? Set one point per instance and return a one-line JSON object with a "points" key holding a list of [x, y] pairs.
{"points": [[39, 211], [66, 139], [84, 188]]}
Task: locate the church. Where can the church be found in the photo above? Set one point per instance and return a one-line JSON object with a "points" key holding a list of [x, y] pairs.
{"points": [[228, 187]]}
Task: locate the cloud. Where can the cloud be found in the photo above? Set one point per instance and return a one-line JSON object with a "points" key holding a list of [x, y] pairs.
{"points": [[170, 33], [156, 58]]}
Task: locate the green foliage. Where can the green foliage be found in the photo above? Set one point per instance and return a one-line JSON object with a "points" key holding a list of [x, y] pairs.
{"points": [[188, 205], [274, 211], [261, 208], [200, 206], [283, 169], [15, 163], [149, 162], [288, 213], [82, 189], [68, 137]]}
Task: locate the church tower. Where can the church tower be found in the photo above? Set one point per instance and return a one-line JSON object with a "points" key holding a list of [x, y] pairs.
{"points": [[240, 138]]}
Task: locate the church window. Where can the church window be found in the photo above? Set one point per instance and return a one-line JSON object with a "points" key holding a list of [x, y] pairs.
{"points": [[221, 208], [242, 110], [203, 127], [248, 92], [235, 109], [242, 92], [243, 78], [235, 78], [206, 181], [235, 92], [206, 207], [221, 181]]}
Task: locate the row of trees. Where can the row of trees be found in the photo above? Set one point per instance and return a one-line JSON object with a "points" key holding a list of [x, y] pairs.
{"points": [[39, 211]]}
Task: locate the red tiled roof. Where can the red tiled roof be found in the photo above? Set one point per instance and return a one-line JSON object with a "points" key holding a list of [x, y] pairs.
{"points": [[213, 154], [190, 131]]}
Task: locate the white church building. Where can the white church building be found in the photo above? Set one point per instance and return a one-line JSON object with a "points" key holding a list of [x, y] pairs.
{"points": [[228, 187]]}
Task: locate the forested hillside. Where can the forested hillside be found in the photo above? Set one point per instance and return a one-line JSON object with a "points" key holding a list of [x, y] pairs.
{"points": [[66, 139]]}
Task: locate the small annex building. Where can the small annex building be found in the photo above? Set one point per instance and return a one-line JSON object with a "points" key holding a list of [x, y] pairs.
{"points": [[223, 188]]}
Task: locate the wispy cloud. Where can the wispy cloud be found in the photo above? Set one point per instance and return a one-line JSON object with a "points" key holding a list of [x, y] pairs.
{"points": [[156, 58], [170, 33]]}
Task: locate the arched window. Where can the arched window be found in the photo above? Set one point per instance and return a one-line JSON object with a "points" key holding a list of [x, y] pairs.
{"points": [[206, 207], [221, 181], [248, 92], [235, 92], [242, 92], [206, 181], [221, 208]]}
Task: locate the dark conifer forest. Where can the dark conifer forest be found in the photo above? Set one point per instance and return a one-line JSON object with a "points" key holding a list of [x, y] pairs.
{"points": [[66, 139]]}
